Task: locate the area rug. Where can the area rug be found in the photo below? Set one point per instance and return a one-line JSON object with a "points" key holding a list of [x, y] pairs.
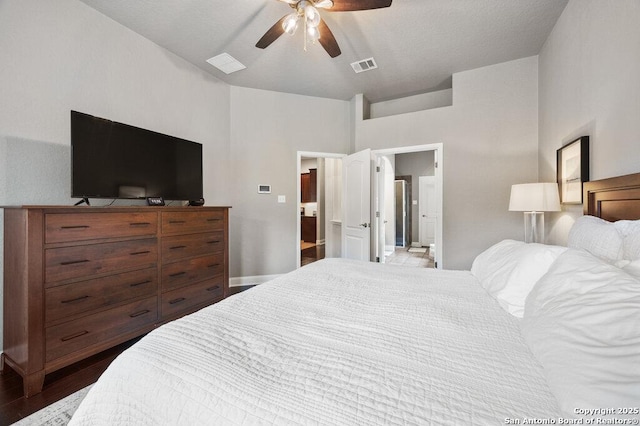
{"points": [[417, 250], [59, 413]]}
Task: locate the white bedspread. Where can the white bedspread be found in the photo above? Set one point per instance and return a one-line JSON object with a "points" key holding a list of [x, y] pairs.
{"points": [[337, 342]]}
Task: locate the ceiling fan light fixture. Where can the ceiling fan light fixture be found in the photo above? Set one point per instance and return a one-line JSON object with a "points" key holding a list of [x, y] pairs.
{"points": [[313, 33], [312, 15], [290, 24]]}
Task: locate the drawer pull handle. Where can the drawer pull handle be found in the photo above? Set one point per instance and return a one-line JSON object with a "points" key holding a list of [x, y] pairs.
{"points": [[177, 247], [75, 227], [73, 336], [140, 224], [173, 222], [213, 242], [178, 300], [215, 287], [77, 299], [216, 219], [135, 253], [140, 283], [73, 262], [177, 274], [137, 314], [213, 265]]}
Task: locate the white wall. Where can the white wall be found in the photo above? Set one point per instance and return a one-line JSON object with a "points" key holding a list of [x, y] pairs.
{"points": [[267, 130], [490, 141], [590, 85], [413, 103], [62, 55]]}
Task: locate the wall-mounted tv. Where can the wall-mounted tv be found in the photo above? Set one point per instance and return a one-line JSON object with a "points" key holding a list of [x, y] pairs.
{"points": [[115, 160]]}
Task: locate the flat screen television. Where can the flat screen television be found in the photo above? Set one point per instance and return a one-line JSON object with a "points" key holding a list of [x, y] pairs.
{"points": [[115, 160]]}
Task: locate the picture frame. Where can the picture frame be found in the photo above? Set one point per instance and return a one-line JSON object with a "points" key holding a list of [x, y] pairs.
{"points": [[572, 168]]}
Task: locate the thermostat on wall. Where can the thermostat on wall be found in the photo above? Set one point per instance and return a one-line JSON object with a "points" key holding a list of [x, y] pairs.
{"points": [[264, 189]]}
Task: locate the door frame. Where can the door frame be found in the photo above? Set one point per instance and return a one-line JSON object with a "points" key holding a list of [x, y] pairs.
{"points": [[300, 155], [438, 149]]}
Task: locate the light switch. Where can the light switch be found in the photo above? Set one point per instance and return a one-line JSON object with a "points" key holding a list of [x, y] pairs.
{"points": [[282, 199], [414, 202]]}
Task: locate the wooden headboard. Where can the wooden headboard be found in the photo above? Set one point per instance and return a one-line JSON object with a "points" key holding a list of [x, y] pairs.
{"points": [[613, 199]]}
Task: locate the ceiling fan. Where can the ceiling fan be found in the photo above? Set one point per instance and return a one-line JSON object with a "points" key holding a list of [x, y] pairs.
{"points": [[315, 29]]}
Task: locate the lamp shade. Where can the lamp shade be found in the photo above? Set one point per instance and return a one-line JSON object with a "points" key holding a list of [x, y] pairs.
{"points": [[534, 197]]}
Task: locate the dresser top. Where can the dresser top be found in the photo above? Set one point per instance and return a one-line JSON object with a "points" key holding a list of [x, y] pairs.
{"points": [[87, 209]]}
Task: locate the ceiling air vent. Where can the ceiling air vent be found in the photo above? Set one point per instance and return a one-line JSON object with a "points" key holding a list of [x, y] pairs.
{"points": [[226, 63], [364, 65]]}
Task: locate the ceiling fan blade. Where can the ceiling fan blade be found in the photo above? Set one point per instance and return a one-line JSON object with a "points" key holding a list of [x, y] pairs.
{"points": [[352, 5], [272, 34], [327, 40]]}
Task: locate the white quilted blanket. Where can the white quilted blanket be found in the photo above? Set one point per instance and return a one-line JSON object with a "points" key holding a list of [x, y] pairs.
{"points": [[337, 342]]}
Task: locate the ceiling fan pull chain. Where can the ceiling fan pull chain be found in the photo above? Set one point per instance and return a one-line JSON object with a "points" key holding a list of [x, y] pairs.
{"points": [[305, 32]]}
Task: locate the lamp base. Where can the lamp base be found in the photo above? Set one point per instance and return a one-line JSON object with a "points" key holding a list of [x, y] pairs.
{"points": [[534, 227]]}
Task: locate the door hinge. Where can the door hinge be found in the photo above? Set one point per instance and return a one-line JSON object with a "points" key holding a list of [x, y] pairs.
{"points": [[436, 164], [435, 265], [378, 259], [377, 214], [377, 169]]}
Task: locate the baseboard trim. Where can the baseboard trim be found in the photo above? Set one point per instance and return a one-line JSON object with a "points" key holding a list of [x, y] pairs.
{"points": [[251, 280]]}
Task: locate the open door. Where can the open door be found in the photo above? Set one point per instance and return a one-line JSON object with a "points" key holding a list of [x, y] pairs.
{"points": [[356, 206], [428, 210]]}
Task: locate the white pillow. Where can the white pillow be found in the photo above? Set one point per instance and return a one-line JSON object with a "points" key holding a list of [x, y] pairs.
{"points": [[632, 268], [630, 232], [598, 237], [509, 270], [582, 323]]}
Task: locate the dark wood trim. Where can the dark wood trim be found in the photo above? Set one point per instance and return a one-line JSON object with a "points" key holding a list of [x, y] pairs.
{"points": [[612, 199]]}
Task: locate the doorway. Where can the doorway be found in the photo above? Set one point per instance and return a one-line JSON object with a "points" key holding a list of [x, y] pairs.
{"points": [[318, 206], [415, 220]]}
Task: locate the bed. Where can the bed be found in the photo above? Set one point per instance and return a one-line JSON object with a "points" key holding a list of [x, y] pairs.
{"points": [[532, 333]]}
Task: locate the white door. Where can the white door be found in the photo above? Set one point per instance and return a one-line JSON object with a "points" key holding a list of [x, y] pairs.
{"points": [[380, 217], [427, 209], [356, 206]]}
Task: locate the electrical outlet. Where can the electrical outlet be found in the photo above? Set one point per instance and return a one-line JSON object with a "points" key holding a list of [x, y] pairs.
{"points": [[282, 199]]}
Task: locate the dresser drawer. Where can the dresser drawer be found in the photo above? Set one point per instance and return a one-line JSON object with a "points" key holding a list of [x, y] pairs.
{"points": [[71, 299], [88, 226], [183, 246], [76, 335], [85, 261], [192, 222], [182, 299], [187, 271]]}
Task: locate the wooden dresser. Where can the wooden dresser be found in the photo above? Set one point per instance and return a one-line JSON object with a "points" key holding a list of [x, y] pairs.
{"points": [[80, 280]]}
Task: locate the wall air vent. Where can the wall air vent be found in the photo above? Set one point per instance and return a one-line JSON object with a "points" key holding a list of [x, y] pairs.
{"points": [[364, 65]]}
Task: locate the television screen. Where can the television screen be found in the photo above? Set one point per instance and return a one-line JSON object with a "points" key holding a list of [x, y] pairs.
{"points": [[115, 160]]}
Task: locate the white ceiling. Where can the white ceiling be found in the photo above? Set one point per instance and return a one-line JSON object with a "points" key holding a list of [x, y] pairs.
{"points": [[417, 44]]}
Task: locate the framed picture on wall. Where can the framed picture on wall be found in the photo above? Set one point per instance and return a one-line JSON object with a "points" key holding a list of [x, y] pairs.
{"points": [[573, 169]]}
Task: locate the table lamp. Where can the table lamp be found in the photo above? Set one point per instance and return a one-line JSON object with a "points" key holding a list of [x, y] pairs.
{"points": [[534, 199]]}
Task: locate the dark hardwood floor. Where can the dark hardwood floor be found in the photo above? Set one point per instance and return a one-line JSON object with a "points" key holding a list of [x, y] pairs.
{"points": [[59, 384], [311, 254], [14, 406]]}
